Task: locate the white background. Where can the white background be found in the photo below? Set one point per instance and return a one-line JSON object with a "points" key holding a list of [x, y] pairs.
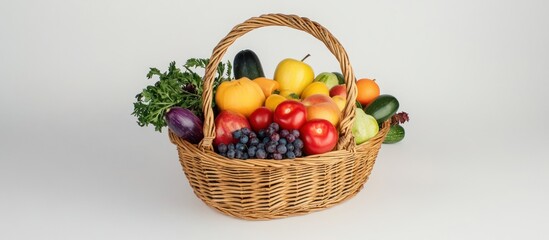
{"points": [[471, 74]]}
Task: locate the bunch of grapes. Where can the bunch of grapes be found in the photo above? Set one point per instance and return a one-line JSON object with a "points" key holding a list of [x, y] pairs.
{"points": [[269, 143]]}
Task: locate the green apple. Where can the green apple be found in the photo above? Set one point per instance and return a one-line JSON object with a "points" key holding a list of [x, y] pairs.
{"points": [[364, 127], [340, 77], [327, 78]]}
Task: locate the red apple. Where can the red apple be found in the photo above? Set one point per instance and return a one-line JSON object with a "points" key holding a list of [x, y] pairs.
{"points": [[338, 90], [319, 136], [225, 124]]}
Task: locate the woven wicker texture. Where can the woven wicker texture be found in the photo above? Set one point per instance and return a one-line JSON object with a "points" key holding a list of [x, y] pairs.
{"points": [[268, 189]]}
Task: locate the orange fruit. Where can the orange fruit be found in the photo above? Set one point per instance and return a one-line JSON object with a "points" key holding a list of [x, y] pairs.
{"points": [[368, 90], [272, 101], [267, 85]]}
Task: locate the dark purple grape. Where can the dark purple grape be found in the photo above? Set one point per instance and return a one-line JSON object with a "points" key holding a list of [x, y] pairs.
{"points": [[295, 133], [298, 143], [230, 146], [261, 154], [275, 137], [261, 133], [239, 154], [254, 141], [284, 133], [290, 155], [277, 156], [271, 148], [261, 146], [252, 135], [275, 126], [298, 152], [245, 131], [252, 151], [290, 147], [283, 141], [240, 147], [266, 140], [237, 134], [281, 148], [231, 153], [290, 138], [269, 131], [222, 148], [245, 156], [244, 139], [275, 143]]}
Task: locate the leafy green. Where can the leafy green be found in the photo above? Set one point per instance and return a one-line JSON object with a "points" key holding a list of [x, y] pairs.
{"points": [[176, 87]]}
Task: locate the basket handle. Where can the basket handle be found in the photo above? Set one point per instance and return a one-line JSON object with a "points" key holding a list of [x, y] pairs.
{"points": [[346, 140]]}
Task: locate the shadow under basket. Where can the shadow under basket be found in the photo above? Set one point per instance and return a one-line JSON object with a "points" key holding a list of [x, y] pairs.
{"points": [[261, 189]]}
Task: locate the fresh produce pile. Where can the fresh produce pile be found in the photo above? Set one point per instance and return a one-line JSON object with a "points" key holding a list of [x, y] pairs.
{"points": [[294, 114]]}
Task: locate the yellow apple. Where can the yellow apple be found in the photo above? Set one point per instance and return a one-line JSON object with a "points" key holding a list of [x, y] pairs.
{"points": [[293, 75], [340, 101]]}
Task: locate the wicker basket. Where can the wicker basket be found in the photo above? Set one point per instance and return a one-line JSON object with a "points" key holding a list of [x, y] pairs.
{"points": [[268, 189]]}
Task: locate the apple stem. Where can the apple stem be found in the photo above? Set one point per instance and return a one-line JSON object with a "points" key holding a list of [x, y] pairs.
{"points": [[308, 55]]}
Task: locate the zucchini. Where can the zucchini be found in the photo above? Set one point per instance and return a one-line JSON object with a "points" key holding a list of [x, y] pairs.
{"points": [[382, 108], [247, 64], [396, 134]]}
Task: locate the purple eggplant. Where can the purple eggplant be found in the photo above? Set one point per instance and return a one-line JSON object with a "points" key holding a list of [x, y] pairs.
{"points": [[184, 124]]}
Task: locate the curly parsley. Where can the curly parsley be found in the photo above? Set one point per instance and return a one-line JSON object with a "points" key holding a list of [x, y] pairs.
{"points": [[176, 87]]}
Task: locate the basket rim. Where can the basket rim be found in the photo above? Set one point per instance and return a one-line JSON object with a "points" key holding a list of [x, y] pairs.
{"points": [[310, 160]]}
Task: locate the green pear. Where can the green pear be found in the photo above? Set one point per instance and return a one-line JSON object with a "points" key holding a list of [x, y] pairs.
{"points": [[364, 127]]}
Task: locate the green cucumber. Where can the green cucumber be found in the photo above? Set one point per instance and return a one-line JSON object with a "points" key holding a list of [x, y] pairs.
{"points": [[247, 64], [382, 108], [396, 134]]}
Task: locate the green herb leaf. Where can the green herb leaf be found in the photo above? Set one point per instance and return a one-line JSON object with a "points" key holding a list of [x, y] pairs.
{"points": [[175, 88]]}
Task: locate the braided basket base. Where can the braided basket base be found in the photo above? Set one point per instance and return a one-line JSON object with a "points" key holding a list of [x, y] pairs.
{"points": [[268, 189]]}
